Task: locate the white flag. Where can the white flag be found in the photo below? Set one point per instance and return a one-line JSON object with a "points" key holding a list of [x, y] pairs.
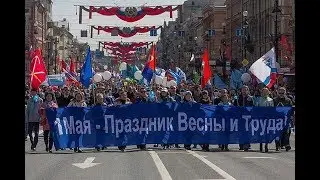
{"points": [[265, 68]]}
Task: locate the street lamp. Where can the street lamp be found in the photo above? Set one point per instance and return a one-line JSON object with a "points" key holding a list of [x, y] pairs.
{"points": [[179, 51], [245, 32], [276, 10], [56, 41]]}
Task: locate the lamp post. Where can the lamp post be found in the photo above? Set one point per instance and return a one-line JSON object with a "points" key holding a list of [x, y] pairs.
{"points": [[276, 10], [245, 26], [226, 64], [194, 54], [179, 51], [56, 41]]}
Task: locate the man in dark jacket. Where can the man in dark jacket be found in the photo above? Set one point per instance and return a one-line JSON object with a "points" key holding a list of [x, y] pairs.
{"points": [[244, 99], [65, 98], [283, 100]]}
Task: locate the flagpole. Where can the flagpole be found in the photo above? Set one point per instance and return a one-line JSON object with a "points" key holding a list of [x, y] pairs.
{"points": [[93, 93]]}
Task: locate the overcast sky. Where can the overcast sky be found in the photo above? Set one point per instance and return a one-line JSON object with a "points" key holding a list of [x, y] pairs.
{"points": [[66, 9]]}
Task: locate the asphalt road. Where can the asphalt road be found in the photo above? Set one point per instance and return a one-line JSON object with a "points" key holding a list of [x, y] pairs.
{"points": [[157, 164]]}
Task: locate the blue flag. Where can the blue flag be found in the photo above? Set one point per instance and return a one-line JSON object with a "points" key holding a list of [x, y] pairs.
{"points": [[86, 70], [218, 83], [235, 81]]}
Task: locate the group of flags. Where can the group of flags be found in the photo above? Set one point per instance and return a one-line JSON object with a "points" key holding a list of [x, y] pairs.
{"points": [[150, 70], [263, 69]]}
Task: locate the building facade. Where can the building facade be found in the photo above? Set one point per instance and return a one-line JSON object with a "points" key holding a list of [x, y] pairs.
{"points": [[37, 14], [259, 23]]}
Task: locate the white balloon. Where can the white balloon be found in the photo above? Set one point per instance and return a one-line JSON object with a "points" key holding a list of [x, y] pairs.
{"points": [[123, 66], [246, 77], [158, 80], [97, 77], [172, 83], [106, 75], [105, 67], [138, 75], [164, 82]]}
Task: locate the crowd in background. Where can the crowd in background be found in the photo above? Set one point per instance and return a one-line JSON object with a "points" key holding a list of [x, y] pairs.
{"points": [[116, 92]]}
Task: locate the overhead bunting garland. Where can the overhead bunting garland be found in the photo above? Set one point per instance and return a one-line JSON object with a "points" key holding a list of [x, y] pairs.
{"points": [[128, 14], [120, 49], [124, 44], [125, 31]]}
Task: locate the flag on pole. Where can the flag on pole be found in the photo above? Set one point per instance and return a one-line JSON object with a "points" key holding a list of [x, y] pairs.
{"points": [[218, 83], [150, 66], [37, 69], [86, 70], [206, 75], [265, 68]]}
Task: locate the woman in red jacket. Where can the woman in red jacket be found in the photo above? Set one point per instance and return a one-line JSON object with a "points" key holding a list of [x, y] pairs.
{"points": [[48, 103]]}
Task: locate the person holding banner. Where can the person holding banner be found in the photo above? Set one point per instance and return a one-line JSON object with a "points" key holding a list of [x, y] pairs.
{"points": [[164, 97], [33, 117], [265, 101], [47, 135], [205, 99], [187, 98], [78, 101], [225, 101], [282, 100], [121, 100], [98, 109], [142, 98]]}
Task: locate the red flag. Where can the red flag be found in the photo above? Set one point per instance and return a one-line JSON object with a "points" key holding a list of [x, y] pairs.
{"points": [[206, 75], [63, 66], [152, 58], [286, 46], [38, 69], [72, 68]]}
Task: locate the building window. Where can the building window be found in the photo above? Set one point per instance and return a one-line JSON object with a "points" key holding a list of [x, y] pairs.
{"points": [[26, 10]]}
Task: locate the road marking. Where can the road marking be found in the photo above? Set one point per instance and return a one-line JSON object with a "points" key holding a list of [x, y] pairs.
{"points": [[86, 164], [259, 157], [161, 168], [210, 179], [172, 152], [212, 166]]}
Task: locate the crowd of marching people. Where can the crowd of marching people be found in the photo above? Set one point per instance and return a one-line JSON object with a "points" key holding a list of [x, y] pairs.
{"points": [[117, 92]]}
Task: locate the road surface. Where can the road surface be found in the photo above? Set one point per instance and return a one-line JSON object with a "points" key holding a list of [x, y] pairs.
{"points": [[157, 164]]}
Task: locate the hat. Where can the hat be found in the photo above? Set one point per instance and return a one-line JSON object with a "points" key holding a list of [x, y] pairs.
{"points": [[188, 92], [164, 90]]}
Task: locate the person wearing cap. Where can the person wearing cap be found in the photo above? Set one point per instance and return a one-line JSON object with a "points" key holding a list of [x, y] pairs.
{"points": [[47, 134], [33, 117], [165, 96], [78, 101]]}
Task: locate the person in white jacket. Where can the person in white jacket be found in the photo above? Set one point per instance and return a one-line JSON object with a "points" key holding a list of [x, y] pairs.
{"points": [[265, 101]]}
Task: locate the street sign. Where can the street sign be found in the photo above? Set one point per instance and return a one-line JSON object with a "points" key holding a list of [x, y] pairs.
{"points": [[245, 62]]}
